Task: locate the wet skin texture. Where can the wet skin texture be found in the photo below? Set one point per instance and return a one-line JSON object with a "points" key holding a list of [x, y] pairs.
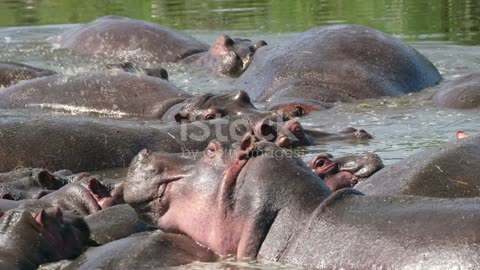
{"points": [[211, 106], [460, 93], [30, 239], [346, 171], [272, 206], [118, 93], [29, 183], [336, 63], [12, 73], [88, 144], [153, 250], [451, 171], [139, 41]]}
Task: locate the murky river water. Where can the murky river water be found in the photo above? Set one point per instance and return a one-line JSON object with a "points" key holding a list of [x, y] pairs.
{"points": [[401, 126]]}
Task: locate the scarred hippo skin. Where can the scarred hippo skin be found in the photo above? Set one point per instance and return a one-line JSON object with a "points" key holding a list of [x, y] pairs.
{"points": [[115, 222], [337, 63], [346, 171], [152, 250], [87, 144], [28, 240], [140, 41], [111, 93], [460, 93], [291, 216], [452, 171], [11, 73]]}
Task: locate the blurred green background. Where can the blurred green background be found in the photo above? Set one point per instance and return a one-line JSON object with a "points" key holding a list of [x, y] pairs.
{"points": [[413, 20]]}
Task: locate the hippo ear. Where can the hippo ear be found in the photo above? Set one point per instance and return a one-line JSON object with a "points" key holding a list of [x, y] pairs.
{"points": [[40, 218], [182, 117], [48, 181]]}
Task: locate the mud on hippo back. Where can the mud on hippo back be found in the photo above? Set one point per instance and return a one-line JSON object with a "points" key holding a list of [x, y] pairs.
{"points": [[140, 41], [337, 63]]}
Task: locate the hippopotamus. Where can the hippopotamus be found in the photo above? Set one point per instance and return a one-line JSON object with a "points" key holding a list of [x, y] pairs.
{"points": [[211, 106], [460, 93], [114, 223], [111, 93], [12, 73], [450, 171], [253, 200], [346, 171], [339, 63], [125, 94], [140, 41], [30, 183], [29, 240], [290, 133], [150, 250], [87, 144]]}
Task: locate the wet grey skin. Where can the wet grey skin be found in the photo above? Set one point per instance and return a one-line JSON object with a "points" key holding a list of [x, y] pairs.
{"points": [[331, 64], [102, 93], [460, 93], [87, 144], [346, 171], [152, 250], [139, 41], [449, 171], [12, 73], [291, 216], [29, 239], [31, 183]]}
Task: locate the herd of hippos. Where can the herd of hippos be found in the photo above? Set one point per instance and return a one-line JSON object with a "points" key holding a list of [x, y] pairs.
{"points": [[245, 195]]}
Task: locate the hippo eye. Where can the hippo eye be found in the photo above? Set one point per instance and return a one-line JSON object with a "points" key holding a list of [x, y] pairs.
{"points": [[210, 116], [211, 150]]}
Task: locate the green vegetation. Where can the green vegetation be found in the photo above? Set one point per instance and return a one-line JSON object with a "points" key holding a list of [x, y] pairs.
{"points": [[446, 20]]}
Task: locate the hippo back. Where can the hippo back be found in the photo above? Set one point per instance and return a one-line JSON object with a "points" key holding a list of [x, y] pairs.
{"points": [[461, 93], [130, 40], [338, 63], [449, 172]]}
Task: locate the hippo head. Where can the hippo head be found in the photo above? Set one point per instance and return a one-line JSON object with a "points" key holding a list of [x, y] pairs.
{"points": [[231, 57], [31, 239], [160, 73], [235, 191], [285, 134], [211, 106]]}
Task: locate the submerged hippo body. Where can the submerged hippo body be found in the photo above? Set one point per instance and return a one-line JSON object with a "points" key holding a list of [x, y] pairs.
{"points": [[87, 144], [460, 93], [11, 73], [337, 63], [140, 41], [449, 172], [152, 250], [117, 94], [257, 201]]}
